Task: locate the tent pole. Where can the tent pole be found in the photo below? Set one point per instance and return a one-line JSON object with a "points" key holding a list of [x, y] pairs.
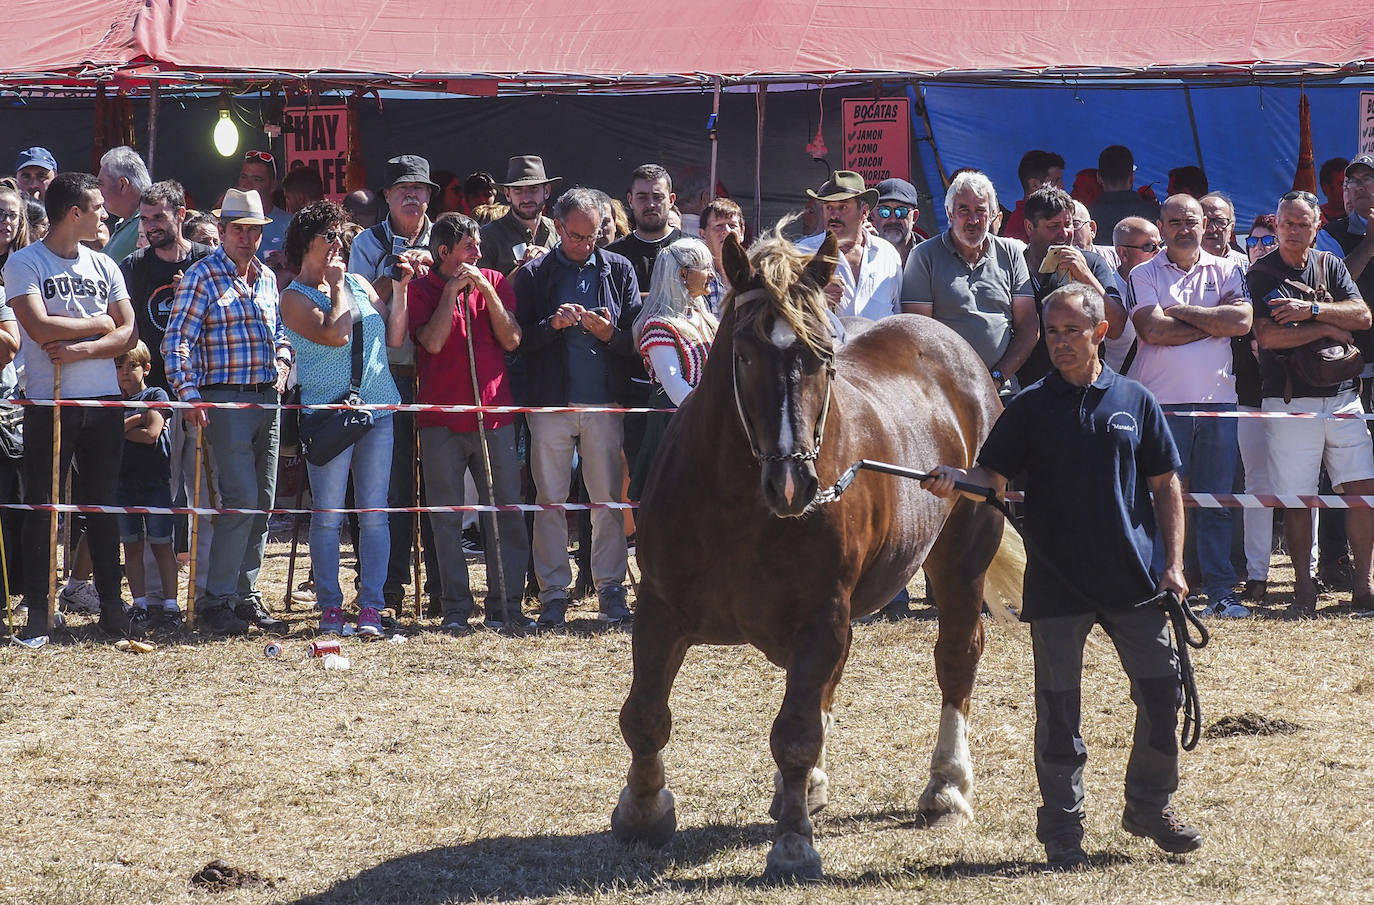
{"points": [[152, 126], [760, 105], [1192, 123], [715, 142]]}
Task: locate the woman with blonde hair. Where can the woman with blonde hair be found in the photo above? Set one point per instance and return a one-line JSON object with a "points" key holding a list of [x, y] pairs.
{"points": [[674, 332]]}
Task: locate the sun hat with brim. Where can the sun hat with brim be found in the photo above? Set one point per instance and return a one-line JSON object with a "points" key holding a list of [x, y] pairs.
{"points": [[526, 170], [843, 185], [409, 168], [242, 207]]}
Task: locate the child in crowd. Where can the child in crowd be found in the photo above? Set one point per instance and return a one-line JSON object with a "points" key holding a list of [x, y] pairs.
{"points": [[145, 479]]}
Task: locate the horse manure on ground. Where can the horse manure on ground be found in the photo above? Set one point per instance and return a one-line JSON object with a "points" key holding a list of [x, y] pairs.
{"points": [[220, 877], [1251, 723]]}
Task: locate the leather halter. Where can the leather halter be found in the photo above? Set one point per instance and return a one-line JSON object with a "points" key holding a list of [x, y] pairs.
{"points": [[818, 437]]}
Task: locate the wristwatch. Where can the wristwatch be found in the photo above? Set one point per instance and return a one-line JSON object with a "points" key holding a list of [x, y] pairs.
{"points": [[997, 375], [1316, 309]]}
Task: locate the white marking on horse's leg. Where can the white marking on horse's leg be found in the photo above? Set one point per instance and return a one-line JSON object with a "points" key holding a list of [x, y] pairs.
{"points": [[827, 723], [951, 770], [951, 759]]}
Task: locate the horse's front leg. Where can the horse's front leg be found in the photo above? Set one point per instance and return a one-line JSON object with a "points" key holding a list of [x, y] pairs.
{"points": [[645, 812], [956, 569], [797, 740], [817, 782]]}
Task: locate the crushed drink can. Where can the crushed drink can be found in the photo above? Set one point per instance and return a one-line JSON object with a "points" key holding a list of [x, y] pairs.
{"points": [[321, 647], [272, 650]]}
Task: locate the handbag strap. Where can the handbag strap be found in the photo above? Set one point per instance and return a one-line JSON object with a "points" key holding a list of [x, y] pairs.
{"points": [[355, 386]]}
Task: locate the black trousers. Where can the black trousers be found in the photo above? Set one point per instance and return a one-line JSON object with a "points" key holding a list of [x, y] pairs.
{"points": [[94, 438]]}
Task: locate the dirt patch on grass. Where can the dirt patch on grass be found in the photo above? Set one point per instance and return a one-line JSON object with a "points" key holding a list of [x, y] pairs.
{"points": [[1251, 723], [220, 877]]}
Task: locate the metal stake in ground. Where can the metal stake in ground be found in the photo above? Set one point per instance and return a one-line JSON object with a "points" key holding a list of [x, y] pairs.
{"points": [[195, 529], [502, 589], [56, 491], [415, 524], [301, 476]]}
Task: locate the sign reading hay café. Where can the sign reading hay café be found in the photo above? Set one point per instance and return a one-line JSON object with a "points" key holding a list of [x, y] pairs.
{"points": [[877, 137], [317, 137]]}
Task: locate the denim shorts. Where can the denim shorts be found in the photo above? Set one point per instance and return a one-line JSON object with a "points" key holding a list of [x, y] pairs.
{"points": [[156, 529]]}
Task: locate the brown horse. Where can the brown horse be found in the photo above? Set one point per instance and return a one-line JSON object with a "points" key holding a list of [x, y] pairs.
{"points": [[739, 546]]}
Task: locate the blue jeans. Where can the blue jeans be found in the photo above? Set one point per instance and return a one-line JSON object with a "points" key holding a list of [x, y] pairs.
{"points": [[242, 448], [370, 462], [1208, 449]]}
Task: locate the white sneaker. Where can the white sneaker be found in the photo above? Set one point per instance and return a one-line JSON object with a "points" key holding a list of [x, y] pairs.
{"points": [[79, 598], [1227, 608]]}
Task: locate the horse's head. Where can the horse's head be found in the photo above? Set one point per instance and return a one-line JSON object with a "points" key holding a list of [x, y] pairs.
{"points": [[783, 365]]}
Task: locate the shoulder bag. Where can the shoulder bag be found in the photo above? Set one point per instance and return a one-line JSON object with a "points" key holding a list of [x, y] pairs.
{"points": [[1321, 363], [327, 432]]}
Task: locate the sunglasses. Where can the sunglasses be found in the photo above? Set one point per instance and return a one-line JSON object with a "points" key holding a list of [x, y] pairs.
{"points": [[330, 236], [1301, 196], [889, 212], [1266, 241], [1149, 247], [264, 156]]}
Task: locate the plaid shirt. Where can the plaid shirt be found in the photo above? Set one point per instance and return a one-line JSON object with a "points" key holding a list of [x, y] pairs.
{"points": [[223, 329]]}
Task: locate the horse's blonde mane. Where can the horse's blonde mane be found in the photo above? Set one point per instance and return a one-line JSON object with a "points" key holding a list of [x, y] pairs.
{"points": [[781, 266]]}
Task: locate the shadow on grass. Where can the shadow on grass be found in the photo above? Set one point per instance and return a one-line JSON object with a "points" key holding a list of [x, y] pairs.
{"points": [[508, 868]]}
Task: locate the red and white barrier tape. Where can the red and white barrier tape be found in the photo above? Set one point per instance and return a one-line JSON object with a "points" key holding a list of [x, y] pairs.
{"points": [[188, 510], [1191, 500], [411, 407], [554, 409]]}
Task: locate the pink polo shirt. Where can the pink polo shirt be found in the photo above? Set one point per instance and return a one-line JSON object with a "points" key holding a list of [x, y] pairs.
{"points": [[1198, 371]]}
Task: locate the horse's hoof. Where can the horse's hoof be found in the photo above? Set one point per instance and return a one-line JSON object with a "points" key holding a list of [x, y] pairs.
{"points": [[817, 793], [942, 804], [792, 858], [654, 824]]}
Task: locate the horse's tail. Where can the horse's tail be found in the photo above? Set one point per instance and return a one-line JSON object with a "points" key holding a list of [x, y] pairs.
{"points": [[1005, 579]]}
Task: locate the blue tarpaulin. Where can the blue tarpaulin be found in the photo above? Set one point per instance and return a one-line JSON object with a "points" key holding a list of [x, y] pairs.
{"points": [[1246, 137]]}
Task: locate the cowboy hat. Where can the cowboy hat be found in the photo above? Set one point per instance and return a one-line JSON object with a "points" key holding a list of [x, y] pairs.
{"points": [[242, 207], [526, 170], [843, 185]]}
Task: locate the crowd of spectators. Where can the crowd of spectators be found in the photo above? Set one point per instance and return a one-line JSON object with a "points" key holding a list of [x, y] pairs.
{"points": [[490, 291]]}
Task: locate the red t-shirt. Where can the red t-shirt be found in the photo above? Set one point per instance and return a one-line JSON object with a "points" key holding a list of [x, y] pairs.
{"points": [[1014, 227], [445, 378]]}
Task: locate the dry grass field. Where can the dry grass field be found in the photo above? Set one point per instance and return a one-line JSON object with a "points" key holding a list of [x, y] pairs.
{"points": [[485, 769]]}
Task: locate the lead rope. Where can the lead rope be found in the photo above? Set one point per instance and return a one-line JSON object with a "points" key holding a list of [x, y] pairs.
{"points": [[1179, 615]]}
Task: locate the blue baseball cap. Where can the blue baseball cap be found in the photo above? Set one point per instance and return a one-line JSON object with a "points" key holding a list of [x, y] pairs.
{"points": [[36, 157]]}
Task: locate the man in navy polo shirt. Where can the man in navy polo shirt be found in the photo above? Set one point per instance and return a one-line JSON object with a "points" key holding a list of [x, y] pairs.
{"points": [[1093, 446]]}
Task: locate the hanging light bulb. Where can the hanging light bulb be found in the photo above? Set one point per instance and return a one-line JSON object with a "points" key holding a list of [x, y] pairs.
{"points": [[226, 133]]}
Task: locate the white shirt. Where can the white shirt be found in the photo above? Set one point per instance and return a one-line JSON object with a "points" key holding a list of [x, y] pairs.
{"points": [[878, 290], [1195, 372]]}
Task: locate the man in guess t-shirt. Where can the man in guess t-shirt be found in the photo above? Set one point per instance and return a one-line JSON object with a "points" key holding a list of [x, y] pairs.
{"points": [[73, 312]]}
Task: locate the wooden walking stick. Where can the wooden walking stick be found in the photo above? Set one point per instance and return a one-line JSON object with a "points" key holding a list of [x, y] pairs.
{"points": [[503, 590], [56, 491], [195, 528], [5, 578]]}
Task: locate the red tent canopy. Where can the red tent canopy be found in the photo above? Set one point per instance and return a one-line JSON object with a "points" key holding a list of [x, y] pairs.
{"points": [[616, 42]]}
